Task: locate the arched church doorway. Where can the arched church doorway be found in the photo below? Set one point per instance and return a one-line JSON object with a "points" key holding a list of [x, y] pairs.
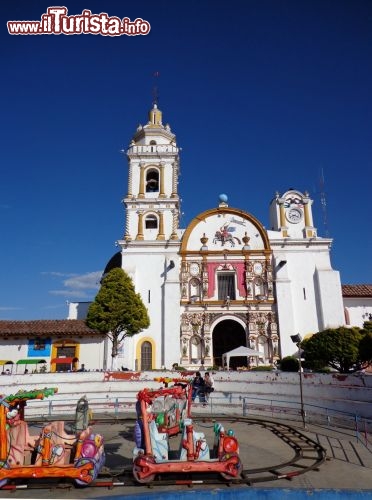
{"points": [[228, 335]]}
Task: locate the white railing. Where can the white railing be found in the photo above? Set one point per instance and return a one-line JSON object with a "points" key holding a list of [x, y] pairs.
{"points": [[228, 404]]}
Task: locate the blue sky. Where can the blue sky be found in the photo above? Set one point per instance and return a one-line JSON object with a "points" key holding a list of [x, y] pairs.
{"points": [[263, 96]]}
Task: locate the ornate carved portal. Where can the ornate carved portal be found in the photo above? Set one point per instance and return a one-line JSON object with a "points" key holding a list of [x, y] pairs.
{"points": [[195, 338], [263, 336]]}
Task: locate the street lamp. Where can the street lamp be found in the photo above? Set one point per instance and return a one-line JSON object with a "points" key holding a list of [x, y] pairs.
{"points": [[202, 349], [297, 339]]}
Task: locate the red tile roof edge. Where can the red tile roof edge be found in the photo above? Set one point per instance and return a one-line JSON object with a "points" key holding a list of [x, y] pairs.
{"points": [[357, 290], [46, 327]]}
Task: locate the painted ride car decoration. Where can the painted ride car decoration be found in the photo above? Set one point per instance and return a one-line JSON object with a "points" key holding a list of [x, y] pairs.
{"points": [[53, 453], [164, 414]]}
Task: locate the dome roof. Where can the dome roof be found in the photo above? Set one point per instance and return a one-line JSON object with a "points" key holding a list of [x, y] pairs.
{"points": [[113, 263]]}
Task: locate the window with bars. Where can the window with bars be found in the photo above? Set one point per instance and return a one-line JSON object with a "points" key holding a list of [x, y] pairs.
{"points": [[146, 356], [226, 286]]}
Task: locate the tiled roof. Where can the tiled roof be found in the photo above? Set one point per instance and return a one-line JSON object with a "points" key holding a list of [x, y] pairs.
{"points": [[47, 327], [357, 291]]}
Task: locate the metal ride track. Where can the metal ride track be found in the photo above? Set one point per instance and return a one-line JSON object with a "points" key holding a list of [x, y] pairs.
{"points": [[308, 455]]}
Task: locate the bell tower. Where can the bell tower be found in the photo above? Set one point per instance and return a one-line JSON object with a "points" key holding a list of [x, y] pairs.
{"points": [[152, 202], [150, 246]]}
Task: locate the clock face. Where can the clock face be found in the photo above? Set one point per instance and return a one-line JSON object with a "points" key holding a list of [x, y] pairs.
{"points": [[257, 268], [294, 215], [194, 268]]}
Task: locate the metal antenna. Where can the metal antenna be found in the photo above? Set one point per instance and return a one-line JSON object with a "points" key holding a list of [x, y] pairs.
{"points": [[323, 202], [155, 91]]}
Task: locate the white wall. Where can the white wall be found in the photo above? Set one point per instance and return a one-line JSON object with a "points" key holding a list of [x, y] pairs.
{"points": [[348, 393], [358, 310], [158, 284], [309, 296]]}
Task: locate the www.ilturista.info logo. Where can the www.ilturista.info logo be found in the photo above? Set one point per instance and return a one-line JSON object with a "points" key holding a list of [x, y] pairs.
{"points": [[57, 22]]}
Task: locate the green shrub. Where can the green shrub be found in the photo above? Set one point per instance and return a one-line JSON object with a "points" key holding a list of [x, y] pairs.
{"points": [[325, 369], [289, 364]]}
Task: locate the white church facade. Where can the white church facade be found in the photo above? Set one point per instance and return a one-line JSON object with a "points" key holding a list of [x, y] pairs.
{"points": [[224, 281]]}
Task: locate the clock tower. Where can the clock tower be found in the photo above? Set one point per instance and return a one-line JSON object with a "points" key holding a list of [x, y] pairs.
{"points": [[291, 214], [307, 288]]}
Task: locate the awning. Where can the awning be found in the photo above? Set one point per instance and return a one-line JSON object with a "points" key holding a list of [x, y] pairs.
{"points": [[60, 361], [240, 352], [30, 361], [5, 362]]}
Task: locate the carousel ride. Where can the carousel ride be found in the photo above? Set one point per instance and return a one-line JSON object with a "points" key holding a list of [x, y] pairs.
{"points": [[54, 453], [170, 446], [167, 440]]}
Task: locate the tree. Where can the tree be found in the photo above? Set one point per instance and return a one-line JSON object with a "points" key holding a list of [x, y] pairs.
{"points": [[365, 345], [117, 310], [337, 348], [367, 326], [365, 348]]}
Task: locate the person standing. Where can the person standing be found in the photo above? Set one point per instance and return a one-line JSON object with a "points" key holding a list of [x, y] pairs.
{"points": [[208, 385]]}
